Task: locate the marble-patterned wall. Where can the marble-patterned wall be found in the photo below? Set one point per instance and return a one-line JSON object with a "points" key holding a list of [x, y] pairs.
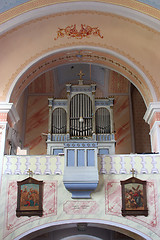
{"points": [[122, 125], [141, 128], [21, 109], [37, 114], [37, 111], [104, 205], [119, 88], [36, 124]]}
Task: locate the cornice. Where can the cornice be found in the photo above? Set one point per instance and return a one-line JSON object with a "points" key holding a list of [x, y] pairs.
{"points": [[153, 108], [10, 109]]}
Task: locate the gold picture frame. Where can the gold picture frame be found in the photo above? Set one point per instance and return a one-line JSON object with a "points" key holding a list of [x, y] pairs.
{"points": [[29, 198], [134, 198]]}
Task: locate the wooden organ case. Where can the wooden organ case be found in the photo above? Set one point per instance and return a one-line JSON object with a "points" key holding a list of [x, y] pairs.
{"points": [[80, 127]]}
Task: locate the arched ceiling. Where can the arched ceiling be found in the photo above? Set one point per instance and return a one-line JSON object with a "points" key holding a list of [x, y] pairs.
{"points": [[83, 56], [14, 12], [9, 4], [19, 24]]}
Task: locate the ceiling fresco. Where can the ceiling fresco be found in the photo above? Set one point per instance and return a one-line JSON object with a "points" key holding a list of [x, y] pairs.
{"points": [[8, 4]]}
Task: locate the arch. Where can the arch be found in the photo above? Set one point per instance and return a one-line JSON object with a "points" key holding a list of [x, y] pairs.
{"points": [[103, 51], [26, 12], [81, 237], [105, 57], [110, 225]]}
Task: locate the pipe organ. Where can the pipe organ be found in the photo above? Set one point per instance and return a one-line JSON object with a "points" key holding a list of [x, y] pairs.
{"points": [[80, 127], [80, 117]]}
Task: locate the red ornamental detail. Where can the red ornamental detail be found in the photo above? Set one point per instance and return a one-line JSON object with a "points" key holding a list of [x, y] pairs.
{"points": [[72, 32]]}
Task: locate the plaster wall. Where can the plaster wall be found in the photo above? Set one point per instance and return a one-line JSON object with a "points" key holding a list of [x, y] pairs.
{"points": [[25, 44], [37, 123], [59, 208], [37, 110], [141, 129]]}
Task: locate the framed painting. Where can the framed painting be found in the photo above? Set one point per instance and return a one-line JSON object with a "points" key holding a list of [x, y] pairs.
{"points": [[29, 198], [134, 199]]}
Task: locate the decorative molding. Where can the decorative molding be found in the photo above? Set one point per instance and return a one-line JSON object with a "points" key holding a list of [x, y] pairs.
{"points": [[10, 110], [153, 108], [133, 8], [59, 102], [57, 61], [80, 89], [103, 102], [144, 233], [79, 12], [72, 32], [80, 145]]}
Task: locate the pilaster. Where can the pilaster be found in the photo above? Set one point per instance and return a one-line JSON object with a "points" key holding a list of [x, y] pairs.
{"points": [[152, 117], [8, 118]]}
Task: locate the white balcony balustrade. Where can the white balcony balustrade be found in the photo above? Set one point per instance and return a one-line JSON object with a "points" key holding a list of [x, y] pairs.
{"points": [[107, 164]]}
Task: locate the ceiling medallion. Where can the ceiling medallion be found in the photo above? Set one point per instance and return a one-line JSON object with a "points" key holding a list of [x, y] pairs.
{"points": [[72, 32]]}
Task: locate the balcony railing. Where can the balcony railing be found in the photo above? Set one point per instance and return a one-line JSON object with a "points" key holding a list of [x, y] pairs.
{"points": [[107, 164]]}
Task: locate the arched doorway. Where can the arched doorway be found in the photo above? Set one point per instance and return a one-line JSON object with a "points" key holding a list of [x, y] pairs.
{"points": [[87, 229]]}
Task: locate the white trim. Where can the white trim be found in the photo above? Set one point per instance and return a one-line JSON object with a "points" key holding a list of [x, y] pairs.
{"points": [[78, 6], [11, 110], [155, 128], [131, 119], [107, 51], [81, 237], [152, 108], [3, 127], [5, 107], [98, 223]]}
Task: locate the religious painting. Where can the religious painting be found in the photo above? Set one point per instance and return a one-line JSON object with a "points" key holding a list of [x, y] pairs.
{"points": [[29, 198], [134, 201]]}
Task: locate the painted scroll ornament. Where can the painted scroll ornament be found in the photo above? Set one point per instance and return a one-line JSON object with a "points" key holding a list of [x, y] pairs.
{"points": [[72, 32]]}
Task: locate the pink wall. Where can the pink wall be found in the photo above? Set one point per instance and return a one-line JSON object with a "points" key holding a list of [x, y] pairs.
{"points": [[37, 113], [141, 128], [122, 124]]}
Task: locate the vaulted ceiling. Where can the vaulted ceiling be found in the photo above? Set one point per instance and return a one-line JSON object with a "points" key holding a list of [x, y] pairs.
{"points": [[18, 16]]}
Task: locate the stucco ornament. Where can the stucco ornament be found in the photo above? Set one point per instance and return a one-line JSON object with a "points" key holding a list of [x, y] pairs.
{"points": [[72, 32]]}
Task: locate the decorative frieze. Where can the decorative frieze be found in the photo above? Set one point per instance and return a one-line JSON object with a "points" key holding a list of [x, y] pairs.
{"points": [[73, 32], [80, 145]]}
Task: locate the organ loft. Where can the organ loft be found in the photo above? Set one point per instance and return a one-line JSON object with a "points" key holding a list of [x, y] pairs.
{"points": [[80, 119], [80, 127]]}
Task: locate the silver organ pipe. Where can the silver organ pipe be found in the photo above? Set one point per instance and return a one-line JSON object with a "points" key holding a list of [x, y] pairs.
{"points": [[81, 115], [102, 121], [59, 121]]}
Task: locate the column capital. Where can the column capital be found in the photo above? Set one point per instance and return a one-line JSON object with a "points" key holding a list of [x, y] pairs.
{"points": [[8, 113], [153, 111]]}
